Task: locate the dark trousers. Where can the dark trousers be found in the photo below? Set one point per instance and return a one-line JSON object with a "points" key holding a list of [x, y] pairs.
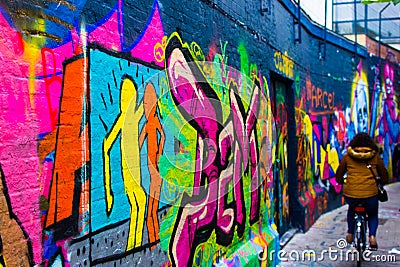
{"points": [[372, 206]]}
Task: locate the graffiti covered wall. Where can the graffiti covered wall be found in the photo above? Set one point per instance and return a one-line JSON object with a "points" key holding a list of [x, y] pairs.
{"points": [[131, 145]]}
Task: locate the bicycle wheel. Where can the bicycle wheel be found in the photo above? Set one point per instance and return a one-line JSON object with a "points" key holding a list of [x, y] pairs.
{"points": [[359, 242]]}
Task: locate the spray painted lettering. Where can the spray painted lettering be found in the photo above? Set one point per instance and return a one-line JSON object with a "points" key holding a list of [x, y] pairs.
{"points": [[284, 64], [224, 152]]}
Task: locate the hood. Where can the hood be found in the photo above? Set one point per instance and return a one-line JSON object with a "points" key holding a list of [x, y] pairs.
{"points": [[361, 153]]}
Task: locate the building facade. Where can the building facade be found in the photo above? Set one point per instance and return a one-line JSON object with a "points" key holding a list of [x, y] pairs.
{"points": [[176, 133]]}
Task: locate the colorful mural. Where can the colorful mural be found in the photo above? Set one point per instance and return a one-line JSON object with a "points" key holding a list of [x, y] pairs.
{"points": [[121, 148]]}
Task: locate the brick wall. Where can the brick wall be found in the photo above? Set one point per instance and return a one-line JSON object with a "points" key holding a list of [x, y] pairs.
{"points": [[175, 133]]}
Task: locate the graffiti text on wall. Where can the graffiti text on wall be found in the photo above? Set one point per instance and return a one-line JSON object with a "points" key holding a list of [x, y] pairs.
{"points": [[284, 64]]}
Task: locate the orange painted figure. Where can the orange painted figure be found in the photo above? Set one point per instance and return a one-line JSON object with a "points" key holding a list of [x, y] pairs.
{"points": [[151, 130], [67, 190]]}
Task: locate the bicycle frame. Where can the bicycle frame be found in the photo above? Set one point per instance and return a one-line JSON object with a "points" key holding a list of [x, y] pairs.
{"points": [[360, 230]]}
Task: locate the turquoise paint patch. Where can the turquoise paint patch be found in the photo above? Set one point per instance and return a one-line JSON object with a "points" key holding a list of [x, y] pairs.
{"points": [[106, 72]]}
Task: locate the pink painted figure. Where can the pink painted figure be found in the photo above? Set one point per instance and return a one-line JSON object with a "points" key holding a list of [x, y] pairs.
{"points": [[388, 124]]}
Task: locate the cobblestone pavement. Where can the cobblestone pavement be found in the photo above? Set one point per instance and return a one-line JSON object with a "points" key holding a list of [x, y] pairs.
{"points": [[325, 234]]}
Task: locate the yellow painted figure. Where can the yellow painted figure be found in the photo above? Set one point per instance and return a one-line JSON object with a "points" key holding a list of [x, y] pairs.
{"points": [[127, 127]]}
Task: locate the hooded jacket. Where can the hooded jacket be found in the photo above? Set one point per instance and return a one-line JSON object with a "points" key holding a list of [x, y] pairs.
{"points": [[360, 183]]}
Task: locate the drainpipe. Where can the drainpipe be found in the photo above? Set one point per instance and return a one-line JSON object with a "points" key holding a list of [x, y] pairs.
{"points": [[380, 29], [326, 11], [355, 28]]}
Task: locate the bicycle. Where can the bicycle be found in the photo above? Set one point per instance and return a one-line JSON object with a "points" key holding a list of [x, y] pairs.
{"points": [[360, 231]]}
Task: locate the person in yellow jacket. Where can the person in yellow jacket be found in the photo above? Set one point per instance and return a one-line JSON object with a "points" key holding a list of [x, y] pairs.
{"points": [[360, 184]]}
